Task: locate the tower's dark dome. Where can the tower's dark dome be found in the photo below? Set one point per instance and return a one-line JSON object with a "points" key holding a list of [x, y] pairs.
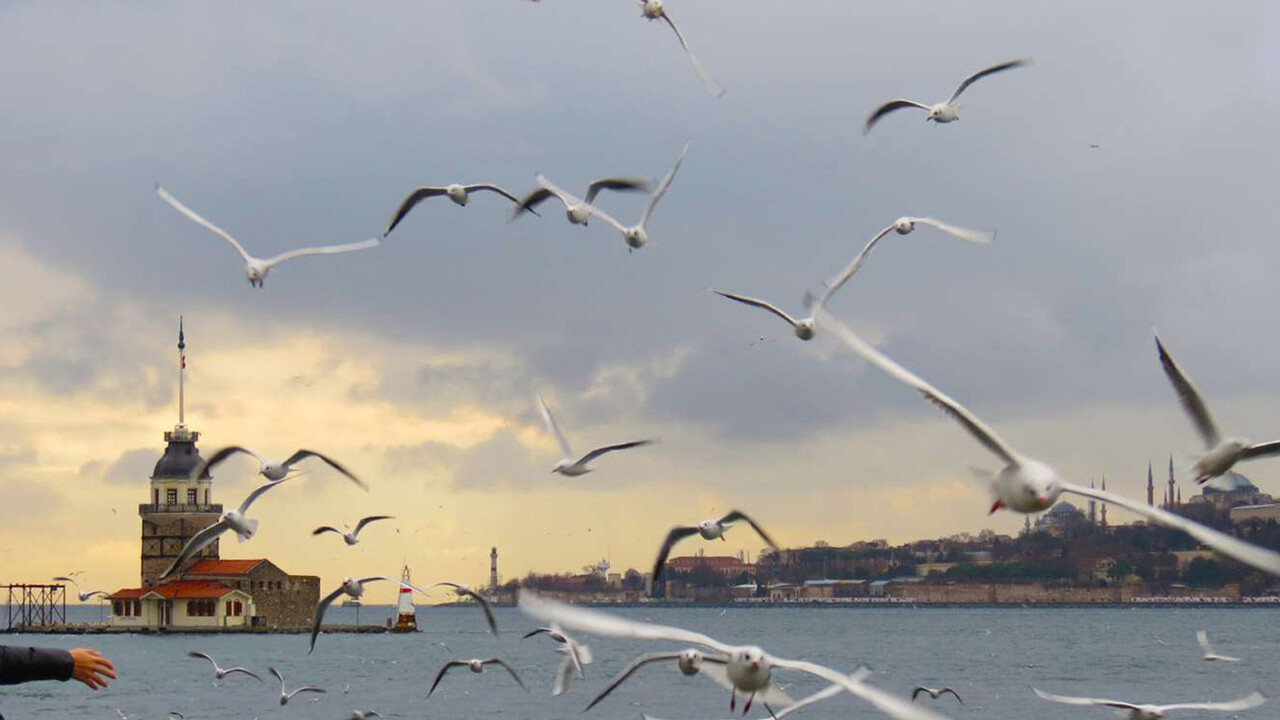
{"points": [[179, 460], [1231, 482]]}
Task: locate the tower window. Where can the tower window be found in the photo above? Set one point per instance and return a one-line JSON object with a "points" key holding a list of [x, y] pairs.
{"points": [[171, 496], [191, 496]]}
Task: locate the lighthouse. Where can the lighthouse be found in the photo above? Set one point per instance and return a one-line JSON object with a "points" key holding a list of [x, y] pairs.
{"points": [[493, 569]]}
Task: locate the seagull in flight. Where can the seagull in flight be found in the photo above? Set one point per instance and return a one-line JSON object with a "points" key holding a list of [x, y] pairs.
{"points": [[255, 268], [1223, 453], [637, 236], [351, 537], [579, 211], [476, 666], [1028, 485], [234, 520], [943, 112], [364, 714], [274, 471], [567, 466], [689, 662], [655, 10], [1202, 637], [1156, 712], [803, 327], [218, 672], [575, 654], [84, 596], [464, 591], [709, 530], [935, 694], [749, 669], [353, 588], [460, 194], [903, 226], [286, 697]]}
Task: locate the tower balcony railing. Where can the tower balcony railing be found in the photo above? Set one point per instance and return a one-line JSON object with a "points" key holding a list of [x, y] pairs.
{"points": [[213, 508]]}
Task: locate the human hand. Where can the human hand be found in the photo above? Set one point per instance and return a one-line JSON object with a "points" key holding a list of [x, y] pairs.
{"points": [[91, 668]]}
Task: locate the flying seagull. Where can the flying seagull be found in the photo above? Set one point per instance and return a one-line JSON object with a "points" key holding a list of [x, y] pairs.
{"points": [[234, 520], [689, 662], [1156, 712], [903, 226], [218, 672], [578, 210], [654, 10], [286, 697], [748, 668], [476, 666], [351, 537], [709, 530], [943, 112], [460, 194], [637, 236], [803, 327], [575, 654], [364, 714], [1223, 453], [567, 466], [257, 268], [1202, 637], [353, 588], [274, 471], [84, 596], [1027, 485], [464, 591], [935, 694]]}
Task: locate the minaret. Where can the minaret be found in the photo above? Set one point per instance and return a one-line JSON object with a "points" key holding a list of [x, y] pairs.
{"points": [[1151, 486], [1179, 496], [1104, 505], [1171, 483], [1093, 508], [179, 506], [1026, 525], [493, 569]]}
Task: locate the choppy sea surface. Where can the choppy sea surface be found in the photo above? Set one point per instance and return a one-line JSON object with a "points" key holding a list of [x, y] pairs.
{"points": [[991, 656]]}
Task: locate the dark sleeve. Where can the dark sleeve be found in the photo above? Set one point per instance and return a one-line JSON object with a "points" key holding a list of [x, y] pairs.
{"points": [[24, 664]]}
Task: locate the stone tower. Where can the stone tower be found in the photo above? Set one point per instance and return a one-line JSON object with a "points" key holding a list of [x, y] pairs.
{"points": [[178, 506]]}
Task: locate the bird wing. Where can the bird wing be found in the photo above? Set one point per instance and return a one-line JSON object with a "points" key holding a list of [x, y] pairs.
{"points": [[1069, 700], [484, 605], [955, 694], [414, 198], [324, 529], [529, 202], [91, 593], [887, 108], [506, 666], [323, 250], [630, 670], [372, 518], [198, 542], [676, 534], [610, 448], [829, 691], [1247, 553], [739, 516], [195, 654], [756, 303], [964, 84], [538, 631], [662, 188], [257, 493], [891, 705], [1202, 637], [191, 215], [550, 422], [440, 675], [980, 430], [564, 674], [271, 669], [836, 282], [1249, 701], [220, 455], [401, 583], [250, 673], [616, 184], [597, 212], [492, 188], [63, 578], [1190, 398], [708, 82], [598, 623], [1261, 450], [973, 236], [305, 688], [321, 608], [921, 689], [301, 455]]}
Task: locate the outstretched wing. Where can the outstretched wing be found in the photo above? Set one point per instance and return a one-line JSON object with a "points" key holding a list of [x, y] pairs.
{"points": [[973, 236], [198, 542], [365, 521], [1192, 403], [954, 694], [257, 493], [597, 623], [610, 448], [891, 705], [964, 84], [662, 187], [739, 516], [271, 669], [195, 654], [201, 469], [564, 674], [1069, 700], [413, 199], [676, 534], [191, 215], [838, 281], [1266, 449], [324, 529], [708, 82], [245, 672], [321, 608], [508, 668], [484, 604], [63, 578], [304, 689], [304, 454], [440, 675], [550, 422], [630, 670], [1252, 700], [754, 302], [887, 108], [323, 250], [492, 188], [616, 184]]}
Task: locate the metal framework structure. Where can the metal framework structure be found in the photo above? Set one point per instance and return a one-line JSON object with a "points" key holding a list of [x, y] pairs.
{"points": [[36, 606]]}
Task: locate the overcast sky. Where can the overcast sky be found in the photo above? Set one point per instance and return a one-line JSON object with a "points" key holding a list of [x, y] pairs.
{"points": [[417, 362]]}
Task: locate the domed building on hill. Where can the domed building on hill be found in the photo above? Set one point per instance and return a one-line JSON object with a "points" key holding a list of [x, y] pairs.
{"points": [[1060, 518], [1231, 490]]}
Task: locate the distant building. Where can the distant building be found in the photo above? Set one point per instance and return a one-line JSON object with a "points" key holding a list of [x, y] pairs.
{"points": [[1059, 518], [726, 565], [1230, 491], [1248, 513]]}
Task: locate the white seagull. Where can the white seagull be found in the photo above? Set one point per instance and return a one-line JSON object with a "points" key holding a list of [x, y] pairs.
{"points": [[476, 666], [803, 327], [903, 226], [637, 236], [353, 588], [578, 210], [364, 714], [690, 662], [1156, 712], [351, 537], [654, 10], [286, 697], [567, 465], [748, 668], [84, 596], [234, 520], [709, 530], [935, 694], [218, 672], [460, 194], [1223, 453], [943, 112], [1027, 485], [274, 471], [1202, 637], [466, 592], [575, 654], [257, 268]]}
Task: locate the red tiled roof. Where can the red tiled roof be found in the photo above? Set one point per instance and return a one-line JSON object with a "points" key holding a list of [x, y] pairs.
{"points": [[210, 566], [177, 590]]}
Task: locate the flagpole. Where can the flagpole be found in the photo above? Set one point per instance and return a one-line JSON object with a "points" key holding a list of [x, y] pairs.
{"points": [[182, 374]]}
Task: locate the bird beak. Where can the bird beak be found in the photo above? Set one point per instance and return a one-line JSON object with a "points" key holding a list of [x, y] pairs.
{"points": [[755, 665], [1043, 502], [995, 506]]}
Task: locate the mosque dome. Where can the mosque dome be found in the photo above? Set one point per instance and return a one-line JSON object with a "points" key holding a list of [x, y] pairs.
{"points": [[1231, 482]]}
